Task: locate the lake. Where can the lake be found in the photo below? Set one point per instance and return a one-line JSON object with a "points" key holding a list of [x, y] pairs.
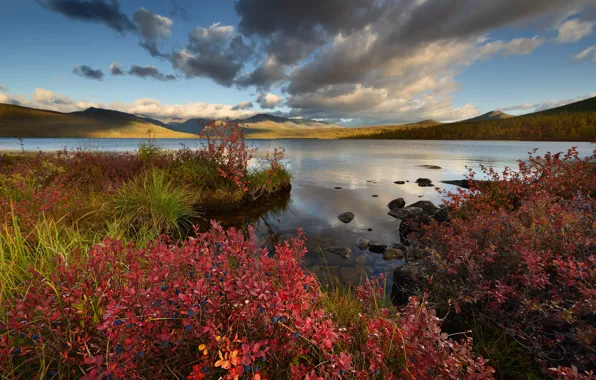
{"points": [[318, 166]]}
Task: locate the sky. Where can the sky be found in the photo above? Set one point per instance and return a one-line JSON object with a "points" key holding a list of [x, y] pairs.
{"points": [[353, 62]]}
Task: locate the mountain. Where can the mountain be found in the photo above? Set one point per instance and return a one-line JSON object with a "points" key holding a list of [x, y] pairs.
{"points": [[261, 125], [587, 105], [492, 115], [18, 121], [104, 114], [427, 121], [193, 126]]}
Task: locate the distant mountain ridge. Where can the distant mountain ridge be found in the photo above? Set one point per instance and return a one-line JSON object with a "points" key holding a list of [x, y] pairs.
{"points": [[258, 121], [19, 121], [492, 115]]}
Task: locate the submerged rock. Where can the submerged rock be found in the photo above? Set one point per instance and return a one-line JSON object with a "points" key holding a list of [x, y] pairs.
{"points": [[340, 251], [400, 182], [363, 243], [434, 167], [396, 203], [337, 188], [393, 254], [346, 217], [376, 247], [375, 196]]}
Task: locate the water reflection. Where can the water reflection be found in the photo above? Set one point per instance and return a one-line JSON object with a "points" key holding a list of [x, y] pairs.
{"points": [[318, 166]]}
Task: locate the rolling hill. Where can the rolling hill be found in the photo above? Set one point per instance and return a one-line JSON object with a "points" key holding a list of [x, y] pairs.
{"points": [[573, 122], [492, 115], [17, 121]]}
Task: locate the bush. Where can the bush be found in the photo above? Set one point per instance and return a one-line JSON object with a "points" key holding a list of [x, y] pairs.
{"points": [[521, 252], [216, 306]]}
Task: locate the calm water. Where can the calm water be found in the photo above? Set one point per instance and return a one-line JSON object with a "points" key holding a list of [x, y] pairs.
{"points": [[318, 166]]}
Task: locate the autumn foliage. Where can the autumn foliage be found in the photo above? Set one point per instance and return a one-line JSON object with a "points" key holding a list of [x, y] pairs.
{"points": [[520, 252], [215, 306]]}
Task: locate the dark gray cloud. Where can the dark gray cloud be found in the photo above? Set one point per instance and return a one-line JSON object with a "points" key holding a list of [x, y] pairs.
{"points": [[115, 69], [150, 72], [216, 52], [243, 106], [152, 48], [383, 29], [152, 26], [267, 74], [105, 12], [87, 72]]}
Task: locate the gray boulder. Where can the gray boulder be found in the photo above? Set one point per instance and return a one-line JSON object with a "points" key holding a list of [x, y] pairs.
{"points": [[428, 207], [340, 251], [346, 217], [442, 214], [396, 203], [407, 213]]}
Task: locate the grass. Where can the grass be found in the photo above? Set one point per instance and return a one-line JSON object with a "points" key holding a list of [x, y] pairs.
{"points": [[152, 202]]}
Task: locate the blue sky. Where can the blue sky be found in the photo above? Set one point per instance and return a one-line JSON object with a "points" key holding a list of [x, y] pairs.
{"points": [[301, 60]]}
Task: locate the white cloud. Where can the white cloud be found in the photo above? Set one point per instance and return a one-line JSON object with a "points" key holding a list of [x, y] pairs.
{"points": [[269, 100], [3, 88], [588, 54], [573, 30]]}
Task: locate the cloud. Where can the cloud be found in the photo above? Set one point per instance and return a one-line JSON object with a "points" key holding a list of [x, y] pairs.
{"points": [[242, 106], [88, 73], [105, 12], [149, 72], [573, 30], [267, 74], [269, 100], [216, 52], [152, 26], [115, 69], [46, 99], [587, 54], [2, 88], [546, 105]]}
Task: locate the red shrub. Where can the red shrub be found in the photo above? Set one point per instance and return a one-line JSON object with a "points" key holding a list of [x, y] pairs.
{"points": [[522, 251], [217, 306]]}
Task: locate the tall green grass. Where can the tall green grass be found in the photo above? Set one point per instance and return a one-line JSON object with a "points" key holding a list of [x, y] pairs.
{"points": [[153, 203], [22, 255]]}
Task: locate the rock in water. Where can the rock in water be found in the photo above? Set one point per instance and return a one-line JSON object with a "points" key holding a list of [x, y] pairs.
{"points": [[393, 254], [341, 251], [407, 213], [337, 188], [376, 247], [363, 243], [427, 206], [400, 182], [434, 167], [346, 217], [396, 203], [424, 182]]}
